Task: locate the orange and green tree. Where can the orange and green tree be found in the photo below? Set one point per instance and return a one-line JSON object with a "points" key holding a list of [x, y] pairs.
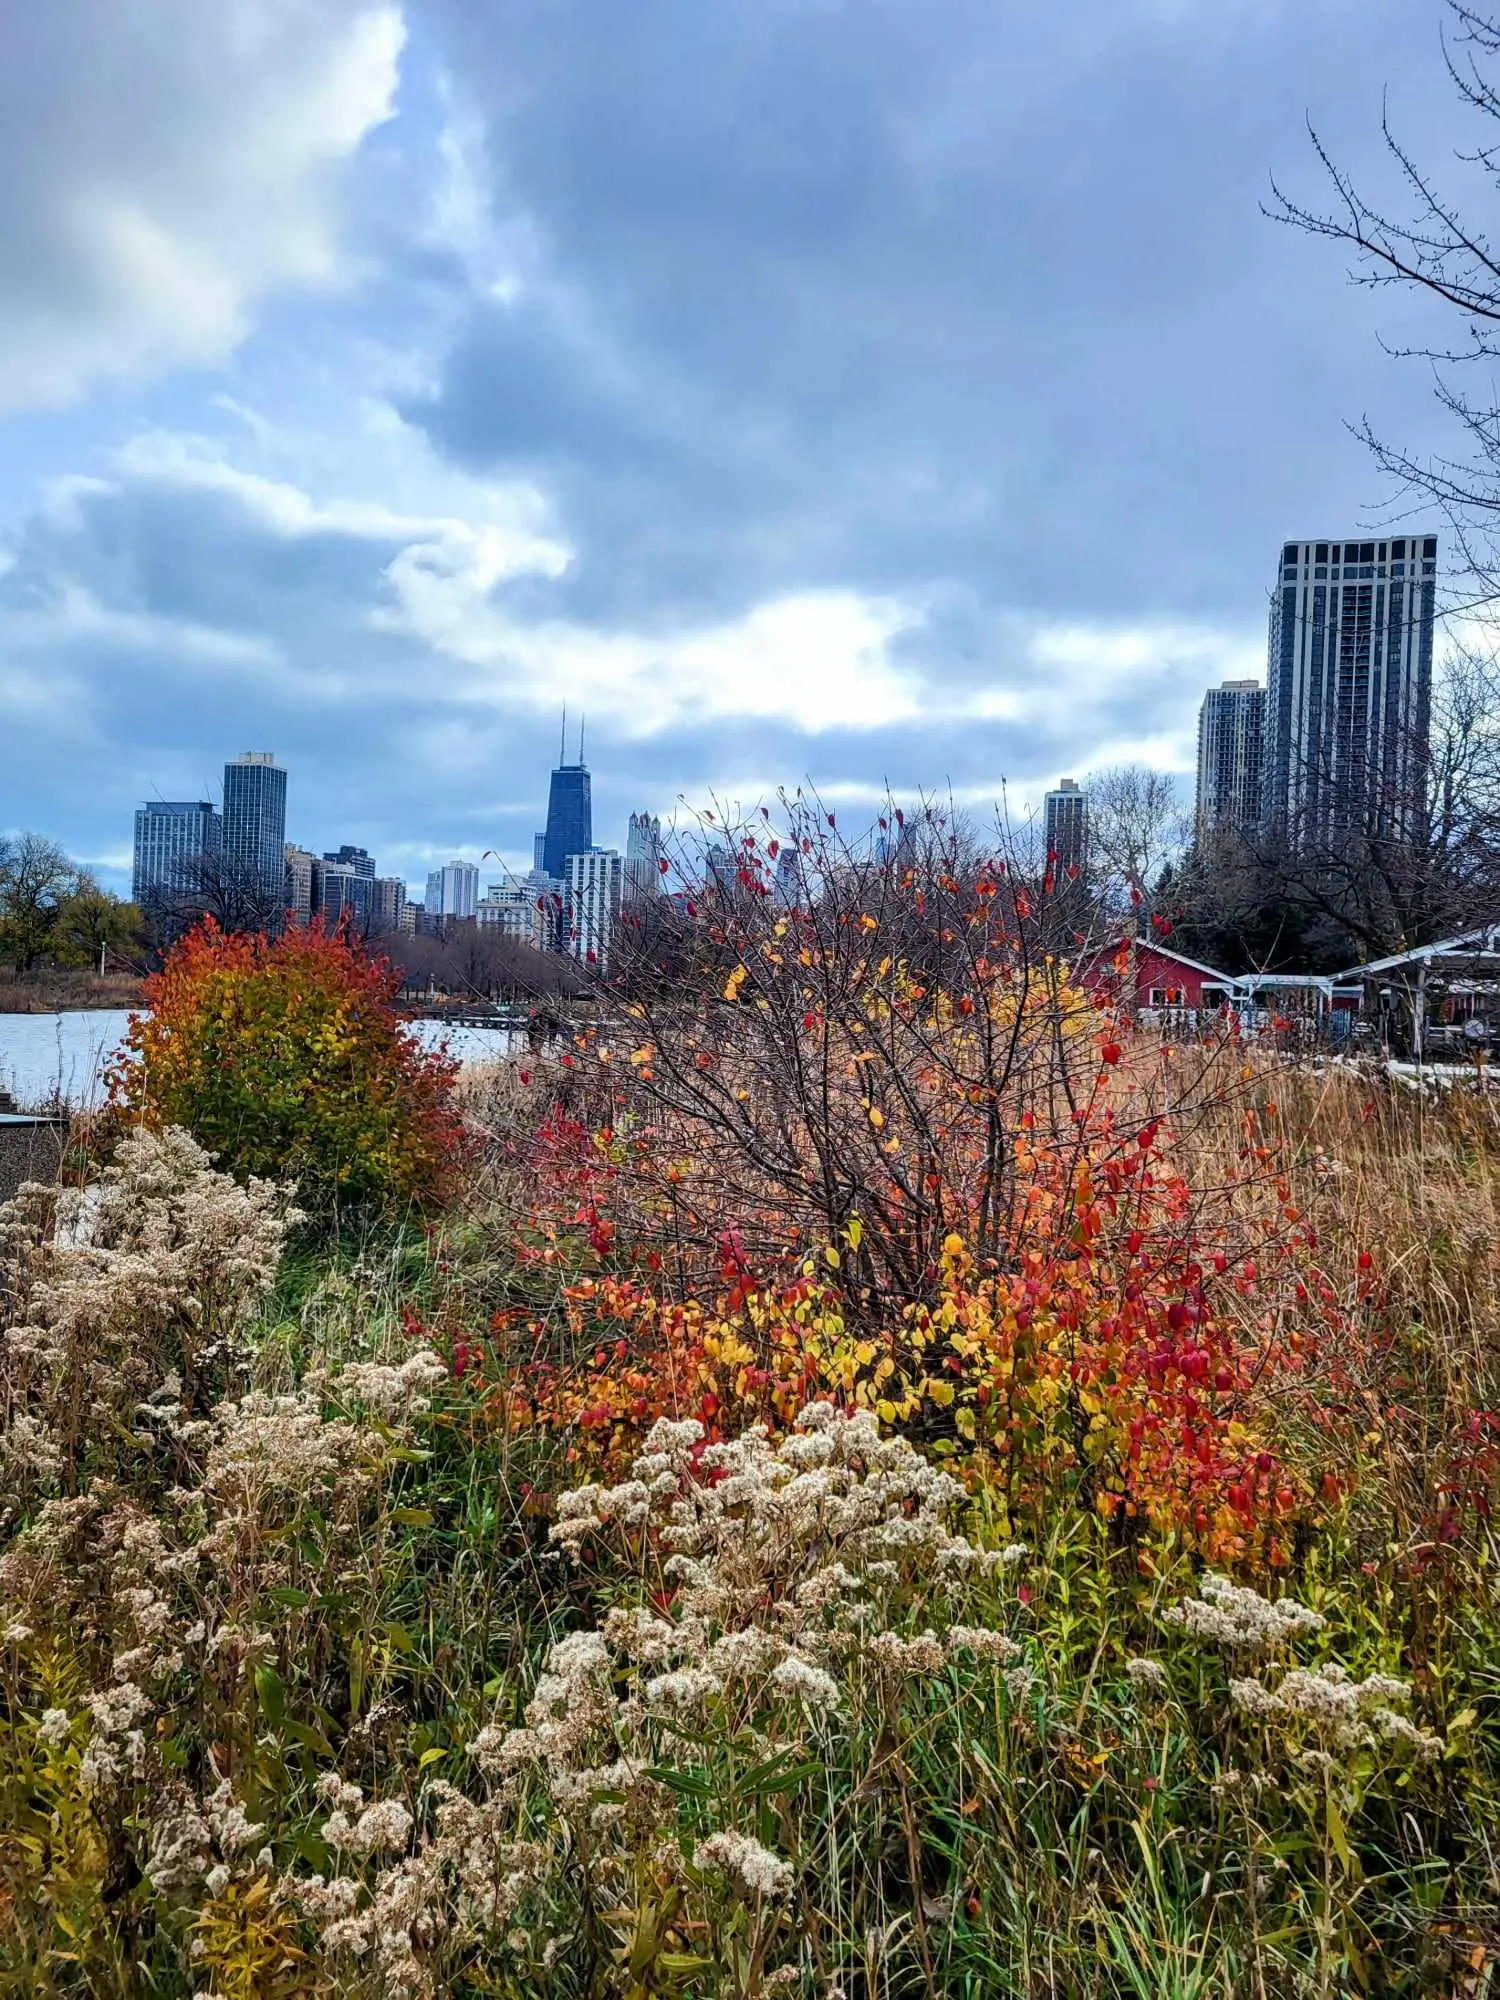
{"points": [[288, 1057]]}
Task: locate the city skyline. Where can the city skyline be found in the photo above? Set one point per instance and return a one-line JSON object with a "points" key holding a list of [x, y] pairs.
{"points": [[808, 463]]}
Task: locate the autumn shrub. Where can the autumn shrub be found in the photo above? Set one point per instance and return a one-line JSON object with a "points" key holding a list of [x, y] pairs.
{"points": [[888, 1147], [287, 1056]]}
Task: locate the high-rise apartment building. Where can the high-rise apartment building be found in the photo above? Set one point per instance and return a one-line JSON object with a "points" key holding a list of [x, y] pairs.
{"points": [[643, 856], [255, 821], [300, 873], [453, 890], [343, 896], [171, 836], [387, 903], [357, 858], [1349, 688], [595, 886], [1231, 734], [1066, 819]]}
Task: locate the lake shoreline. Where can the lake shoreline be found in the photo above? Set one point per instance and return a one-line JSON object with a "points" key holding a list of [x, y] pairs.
{"points": [[60, 1056], [87, 995]]}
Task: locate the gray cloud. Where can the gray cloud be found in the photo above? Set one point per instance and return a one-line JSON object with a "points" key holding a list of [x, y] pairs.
{"points": [[900, 297]]}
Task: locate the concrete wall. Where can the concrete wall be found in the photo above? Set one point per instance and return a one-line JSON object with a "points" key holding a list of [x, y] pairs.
{"points": [[30, 1151]]}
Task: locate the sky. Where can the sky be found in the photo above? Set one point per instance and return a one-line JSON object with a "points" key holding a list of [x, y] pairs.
{"points": [[874, 394]]}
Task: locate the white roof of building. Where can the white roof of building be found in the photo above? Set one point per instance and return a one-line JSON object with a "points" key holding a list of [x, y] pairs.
{"points": [[1468, 945]]}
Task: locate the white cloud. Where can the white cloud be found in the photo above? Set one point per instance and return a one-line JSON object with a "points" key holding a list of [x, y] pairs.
{"points": [[163, 168], [816, 659]]}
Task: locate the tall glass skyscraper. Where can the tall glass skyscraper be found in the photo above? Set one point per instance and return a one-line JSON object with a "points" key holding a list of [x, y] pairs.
{"points": [[170, 835], [255, 818], [1349, 694]]}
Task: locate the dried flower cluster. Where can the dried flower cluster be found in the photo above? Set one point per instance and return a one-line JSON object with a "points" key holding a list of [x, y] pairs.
{"points": [[772, 1567], [126, 1307], [1342, 1714], [1238, 1618]]}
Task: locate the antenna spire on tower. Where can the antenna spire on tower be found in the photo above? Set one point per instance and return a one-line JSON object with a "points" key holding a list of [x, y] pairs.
{"points": [[562, 747], [581, 721]]}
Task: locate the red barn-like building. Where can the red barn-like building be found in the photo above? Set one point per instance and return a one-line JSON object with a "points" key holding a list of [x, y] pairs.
{"points": [[1138, 972]]}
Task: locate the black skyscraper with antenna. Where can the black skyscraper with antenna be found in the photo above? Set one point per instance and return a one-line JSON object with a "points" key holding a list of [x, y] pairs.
{"points": [[570, 812]]}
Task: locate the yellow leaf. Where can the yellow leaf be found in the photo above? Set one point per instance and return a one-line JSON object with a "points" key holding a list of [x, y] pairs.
{"points": [[886, 1411], [877, 1117], [854, 1232]]}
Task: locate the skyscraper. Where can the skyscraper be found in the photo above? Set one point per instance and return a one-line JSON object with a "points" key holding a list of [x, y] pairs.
{"points": [[1066, 822], [1349, 694], [595, 883], [643, 856], [255, 821], [570, 813], [453, 890], [1231, 729], [171, 835]]}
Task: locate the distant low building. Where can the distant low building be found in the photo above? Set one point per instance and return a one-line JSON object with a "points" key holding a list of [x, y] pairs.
{"points": [[515, 909], [1139, 973]]}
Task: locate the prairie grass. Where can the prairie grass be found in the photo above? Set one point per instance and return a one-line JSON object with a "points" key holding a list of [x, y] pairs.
{"points": [[283, 1577]]}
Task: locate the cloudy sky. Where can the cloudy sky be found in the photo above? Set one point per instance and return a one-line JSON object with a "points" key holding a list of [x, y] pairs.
{"points": [[899, 392]]}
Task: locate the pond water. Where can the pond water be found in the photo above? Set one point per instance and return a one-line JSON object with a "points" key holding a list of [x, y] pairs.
{"points": [[64, 1055]]}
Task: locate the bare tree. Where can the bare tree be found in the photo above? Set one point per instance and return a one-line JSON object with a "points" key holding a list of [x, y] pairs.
{"points": [[234, 892], [1137, 827], [1414, 856], [1437, 249]]}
